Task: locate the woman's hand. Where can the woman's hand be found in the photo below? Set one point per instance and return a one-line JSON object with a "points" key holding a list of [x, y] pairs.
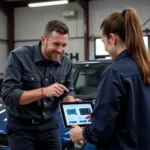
{"points": [[76, 133]]}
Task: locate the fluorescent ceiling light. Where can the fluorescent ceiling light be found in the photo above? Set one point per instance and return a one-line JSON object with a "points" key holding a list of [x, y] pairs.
{"points": [[48, 3]]}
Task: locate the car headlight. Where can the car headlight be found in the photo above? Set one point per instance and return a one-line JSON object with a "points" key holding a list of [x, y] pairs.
{"points": [[76, 145]]}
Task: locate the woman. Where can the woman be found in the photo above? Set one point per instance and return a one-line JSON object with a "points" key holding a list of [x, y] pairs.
{"points": [[121, 117]]}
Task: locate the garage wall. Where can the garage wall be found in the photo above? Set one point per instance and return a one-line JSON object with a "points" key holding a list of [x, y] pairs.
{"points": [[99, 9], [74, 47], [30, 23], [3, 41]]}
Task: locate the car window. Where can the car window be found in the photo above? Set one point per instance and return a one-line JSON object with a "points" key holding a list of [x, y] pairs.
{"points": [[86, 80]]}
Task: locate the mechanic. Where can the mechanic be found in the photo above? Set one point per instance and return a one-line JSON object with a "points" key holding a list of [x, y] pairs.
{"points": [[121, 116], [36, 78]]}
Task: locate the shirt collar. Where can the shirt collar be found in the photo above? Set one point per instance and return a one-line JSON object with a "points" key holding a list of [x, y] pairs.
{"points": [[38, 56], [59, 62], [124, 53], [37, 53]]}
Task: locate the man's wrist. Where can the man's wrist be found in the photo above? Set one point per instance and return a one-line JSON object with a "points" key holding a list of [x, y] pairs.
{"points": [[42, 92]]}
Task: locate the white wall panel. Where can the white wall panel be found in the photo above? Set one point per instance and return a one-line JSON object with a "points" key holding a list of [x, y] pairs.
{"points": [[18, 44], [30, 22], [3, 56], [74, 46], [91, 49], [99, 9], [3, 43], [3, 25]]}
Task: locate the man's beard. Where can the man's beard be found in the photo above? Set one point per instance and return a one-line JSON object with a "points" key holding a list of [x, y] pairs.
{"points": [[50, 55]]}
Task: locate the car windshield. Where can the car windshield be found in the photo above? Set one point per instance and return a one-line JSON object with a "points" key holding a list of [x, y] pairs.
{"points": [[86, 79]]}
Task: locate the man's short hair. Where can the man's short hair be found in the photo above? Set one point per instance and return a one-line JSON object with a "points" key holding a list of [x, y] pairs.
{"points": [[55, 25]]}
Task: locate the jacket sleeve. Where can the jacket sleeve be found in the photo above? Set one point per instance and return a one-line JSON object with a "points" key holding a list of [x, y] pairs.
{"points": [[11, 87], [110, 92]]}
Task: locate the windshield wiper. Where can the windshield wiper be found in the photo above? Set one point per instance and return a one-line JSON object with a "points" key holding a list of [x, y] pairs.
{"points": [[83, 97], [88, 98], [94, 90]]}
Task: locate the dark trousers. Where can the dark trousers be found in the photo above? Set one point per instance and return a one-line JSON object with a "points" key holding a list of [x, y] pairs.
{"points": [[43, 136]]}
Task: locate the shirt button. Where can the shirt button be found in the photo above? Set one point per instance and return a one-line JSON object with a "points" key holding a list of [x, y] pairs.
{"points": [[44, 114], [45, 103], [46, 79], [32, 78]]}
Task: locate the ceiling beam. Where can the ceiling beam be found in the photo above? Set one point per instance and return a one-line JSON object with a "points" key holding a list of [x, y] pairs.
{"points": [[3, 6], [18, 3], [85, 5]]}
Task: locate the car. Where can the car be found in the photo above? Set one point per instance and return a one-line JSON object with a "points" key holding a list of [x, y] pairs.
{"points": [[86, 76]]}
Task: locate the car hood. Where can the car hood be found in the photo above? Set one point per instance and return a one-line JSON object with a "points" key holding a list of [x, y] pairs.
{"points": [[3, 117], [64, 132]]}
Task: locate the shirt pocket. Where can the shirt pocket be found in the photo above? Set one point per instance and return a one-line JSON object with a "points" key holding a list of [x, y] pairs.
{"points": [[31, 81], [60, 79]]}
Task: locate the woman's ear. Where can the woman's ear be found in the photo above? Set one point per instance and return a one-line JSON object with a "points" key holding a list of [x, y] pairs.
{"points": [[113, 38]]}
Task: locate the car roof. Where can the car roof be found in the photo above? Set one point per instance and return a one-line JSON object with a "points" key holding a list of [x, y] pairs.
{"points": [[100, 61], [92, 63]]}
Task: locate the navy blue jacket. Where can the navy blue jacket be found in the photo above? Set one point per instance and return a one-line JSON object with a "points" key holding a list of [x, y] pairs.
{"points": [[121, 117]]}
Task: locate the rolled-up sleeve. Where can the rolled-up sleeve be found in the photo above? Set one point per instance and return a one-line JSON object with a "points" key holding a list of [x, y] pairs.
{"points": [[11, 87], [106, 110]]}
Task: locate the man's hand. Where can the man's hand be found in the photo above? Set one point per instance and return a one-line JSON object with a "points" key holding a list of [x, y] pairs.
{"points": [[75, 100], [70, 98], [54, 90], [76, 133]]}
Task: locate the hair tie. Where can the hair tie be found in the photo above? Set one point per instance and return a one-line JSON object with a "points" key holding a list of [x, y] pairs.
{"points": [[124, 12]]}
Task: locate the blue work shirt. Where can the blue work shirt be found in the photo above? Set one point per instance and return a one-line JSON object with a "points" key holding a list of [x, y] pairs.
{"points": [[121, 116], [26, 70]]}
